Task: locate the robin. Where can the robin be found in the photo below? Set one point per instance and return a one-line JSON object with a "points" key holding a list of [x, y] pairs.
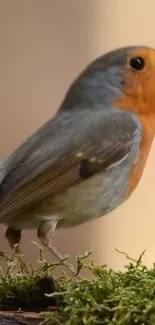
{"points": [[87, 159]]}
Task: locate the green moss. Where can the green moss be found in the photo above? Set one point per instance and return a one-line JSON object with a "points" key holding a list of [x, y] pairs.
{"points": [[26, 288], [111, 297]]}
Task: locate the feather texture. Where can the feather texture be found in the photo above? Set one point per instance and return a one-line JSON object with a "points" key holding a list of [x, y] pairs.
{"points": [[67, 150]]}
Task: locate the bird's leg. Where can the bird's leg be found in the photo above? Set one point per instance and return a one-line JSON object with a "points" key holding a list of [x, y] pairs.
{"points": [[14, 236], [45, 233]]}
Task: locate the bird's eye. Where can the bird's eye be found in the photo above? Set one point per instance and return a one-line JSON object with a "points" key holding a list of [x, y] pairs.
{"points": [[137, 63]]}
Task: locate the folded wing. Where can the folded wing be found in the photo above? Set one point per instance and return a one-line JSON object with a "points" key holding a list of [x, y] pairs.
{"points": [[65, 151]]}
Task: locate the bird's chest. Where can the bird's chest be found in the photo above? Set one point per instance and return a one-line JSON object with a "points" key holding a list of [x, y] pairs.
{"points": [[140, 161], [145, 114]]}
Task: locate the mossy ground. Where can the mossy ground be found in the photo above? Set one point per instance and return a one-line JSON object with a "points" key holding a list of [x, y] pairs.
{"points": [[112, 298]]}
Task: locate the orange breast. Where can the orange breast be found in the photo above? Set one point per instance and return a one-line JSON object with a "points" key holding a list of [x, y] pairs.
{"points": [[148, 122], [138, 167]]}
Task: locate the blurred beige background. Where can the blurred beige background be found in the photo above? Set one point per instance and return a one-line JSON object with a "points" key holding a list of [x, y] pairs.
{"points": [[44, 44]]}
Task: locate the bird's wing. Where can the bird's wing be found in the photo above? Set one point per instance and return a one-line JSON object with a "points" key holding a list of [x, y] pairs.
{"points": [[69, 148]]}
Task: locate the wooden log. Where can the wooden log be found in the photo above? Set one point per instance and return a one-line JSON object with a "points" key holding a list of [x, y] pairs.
{"points": [[20, 318]]}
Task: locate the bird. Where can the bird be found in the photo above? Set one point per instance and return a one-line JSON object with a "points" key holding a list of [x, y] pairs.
{"points": [[87, 159]]}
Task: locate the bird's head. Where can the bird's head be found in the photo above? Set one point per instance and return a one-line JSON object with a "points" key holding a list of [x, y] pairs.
{"points": [[124, 77]]}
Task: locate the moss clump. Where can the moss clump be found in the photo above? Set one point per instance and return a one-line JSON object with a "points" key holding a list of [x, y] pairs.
{"points": [[111, 297], [27, 288]]}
